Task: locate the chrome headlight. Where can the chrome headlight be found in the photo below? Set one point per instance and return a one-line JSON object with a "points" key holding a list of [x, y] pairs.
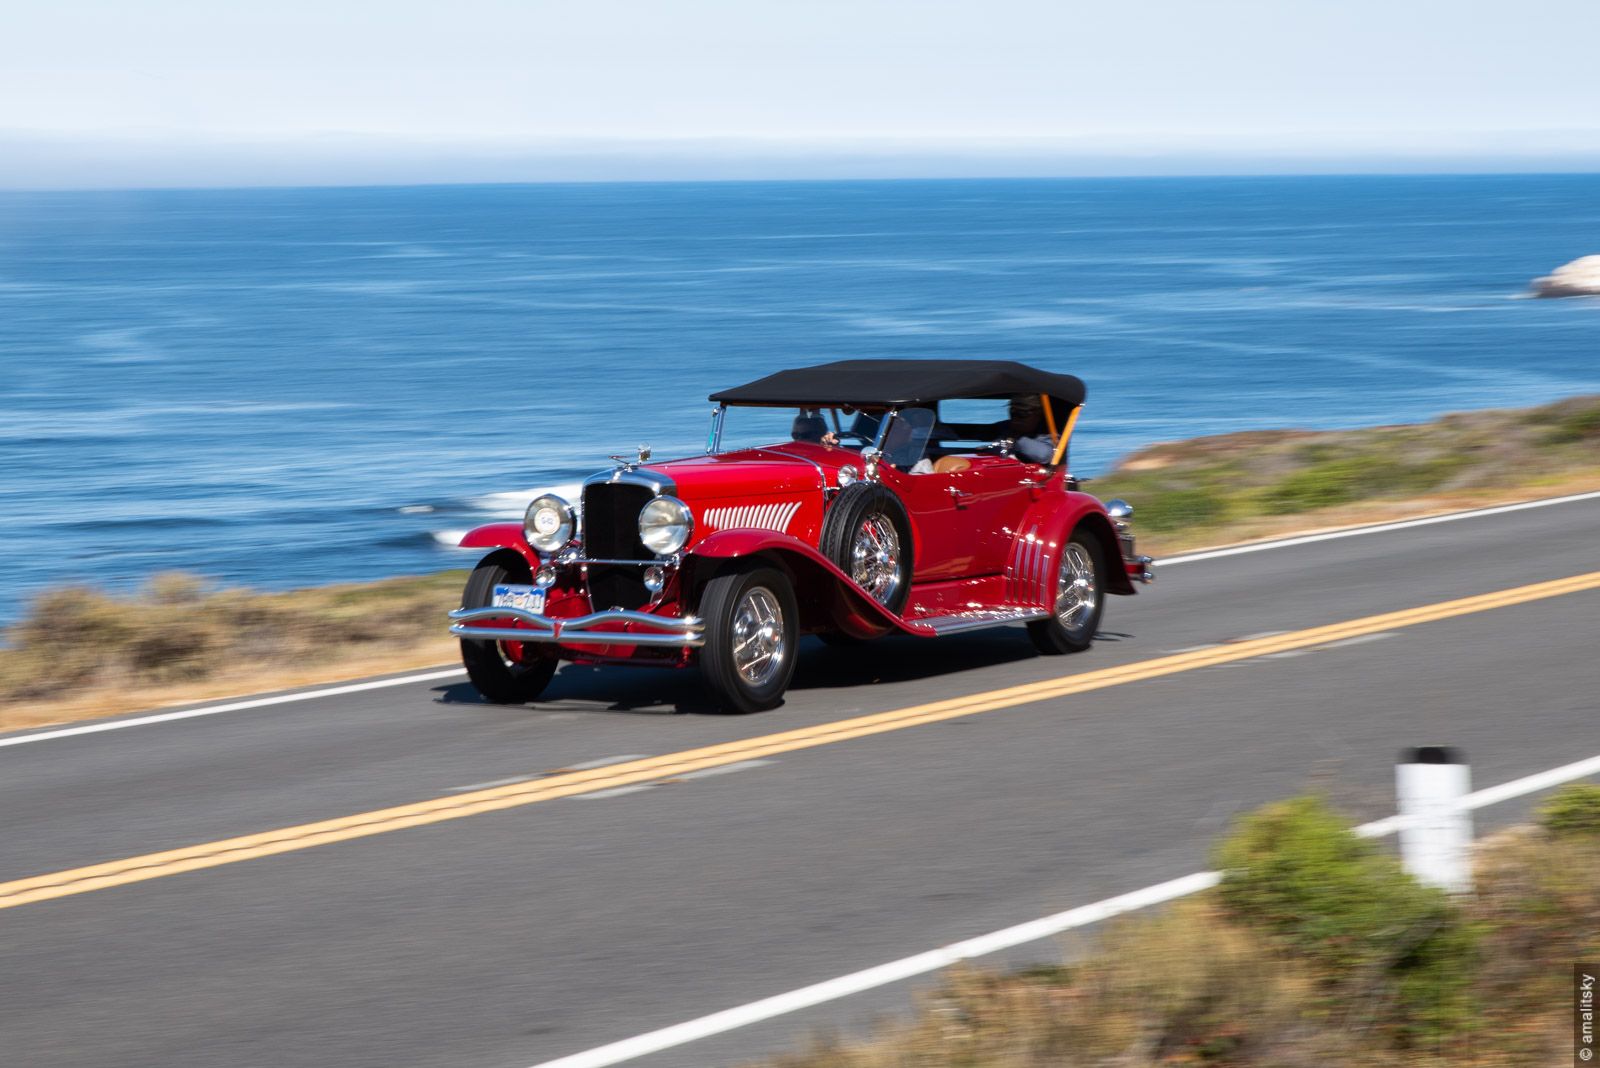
{"points": [[847, 475], [664, 525], [548, 523]]}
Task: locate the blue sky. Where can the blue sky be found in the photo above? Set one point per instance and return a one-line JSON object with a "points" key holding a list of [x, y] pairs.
{"points": [[169, 92]]}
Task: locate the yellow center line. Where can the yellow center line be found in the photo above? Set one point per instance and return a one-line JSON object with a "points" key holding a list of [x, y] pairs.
{"points": [[568, 784]]}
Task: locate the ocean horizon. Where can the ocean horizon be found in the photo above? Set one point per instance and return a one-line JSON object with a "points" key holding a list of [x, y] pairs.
{"points": [[288, 387]]}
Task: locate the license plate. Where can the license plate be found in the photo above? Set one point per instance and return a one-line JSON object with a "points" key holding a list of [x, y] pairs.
{"points": [[527, 598]]}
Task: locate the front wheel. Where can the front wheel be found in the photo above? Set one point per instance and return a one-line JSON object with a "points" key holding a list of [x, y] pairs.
{"points": [[1080, 598], [504, 673], [750, 638]]}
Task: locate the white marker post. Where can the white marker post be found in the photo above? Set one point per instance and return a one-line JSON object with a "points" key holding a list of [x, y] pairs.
{"points": [[1431, 782]]}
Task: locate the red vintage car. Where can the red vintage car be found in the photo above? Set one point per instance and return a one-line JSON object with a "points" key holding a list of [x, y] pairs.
{"points": [[883, 499]]}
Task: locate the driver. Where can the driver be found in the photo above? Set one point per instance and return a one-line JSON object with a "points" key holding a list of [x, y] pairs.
{"points": [[1026, 427], [810, 426]]}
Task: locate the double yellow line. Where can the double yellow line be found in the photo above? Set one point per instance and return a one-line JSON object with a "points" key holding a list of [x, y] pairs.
{"points": [[650, 769]]}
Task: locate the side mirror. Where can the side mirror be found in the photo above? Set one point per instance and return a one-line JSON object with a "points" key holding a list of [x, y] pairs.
{"points": [[1117, 508]]}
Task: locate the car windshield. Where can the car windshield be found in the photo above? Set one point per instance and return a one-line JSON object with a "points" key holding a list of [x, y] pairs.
{"points": [[744, 428]]}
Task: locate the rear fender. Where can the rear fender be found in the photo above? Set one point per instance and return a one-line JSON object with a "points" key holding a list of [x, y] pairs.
{"points": [[828, 598], [502, 536], [1047, 527]]}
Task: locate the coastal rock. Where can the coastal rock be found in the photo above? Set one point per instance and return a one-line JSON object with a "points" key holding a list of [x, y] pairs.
{"points": [[1580, 278]]}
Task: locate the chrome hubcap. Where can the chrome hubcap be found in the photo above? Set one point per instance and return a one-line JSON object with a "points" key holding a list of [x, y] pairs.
{"points": [[1076, 596], [758, 646], [875, 557]]}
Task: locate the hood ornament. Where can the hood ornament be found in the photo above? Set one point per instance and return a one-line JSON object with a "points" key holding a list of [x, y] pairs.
{"points": [[624, 463]]}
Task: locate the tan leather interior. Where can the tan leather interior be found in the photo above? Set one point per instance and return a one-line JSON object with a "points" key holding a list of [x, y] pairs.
{"points": [[948, 465]]}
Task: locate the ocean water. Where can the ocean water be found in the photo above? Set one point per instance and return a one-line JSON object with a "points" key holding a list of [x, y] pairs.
{"points": [[290, 387]]}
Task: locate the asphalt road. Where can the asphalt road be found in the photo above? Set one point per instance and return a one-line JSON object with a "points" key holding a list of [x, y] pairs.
{"points": [[506, 939]]}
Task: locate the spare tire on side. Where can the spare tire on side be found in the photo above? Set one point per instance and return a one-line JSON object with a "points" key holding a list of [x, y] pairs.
{"points": [[867, 533]]}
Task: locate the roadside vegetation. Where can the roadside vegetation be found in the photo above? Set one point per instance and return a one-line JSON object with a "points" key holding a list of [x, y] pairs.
{"points": [[1316, 950], [1254, 484], [80, 653]]}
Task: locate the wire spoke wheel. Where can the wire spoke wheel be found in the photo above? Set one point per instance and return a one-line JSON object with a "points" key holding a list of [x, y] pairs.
{"points": [[1077, 592], [752, 637], [758, 637], [875, 557], [1079, 599], [866, 532]]}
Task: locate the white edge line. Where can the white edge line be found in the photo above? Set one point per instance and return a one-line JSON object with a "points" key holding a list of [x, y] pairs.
{"points": [[232, 706], [1380, 528], [894, 971], [935, 959]]}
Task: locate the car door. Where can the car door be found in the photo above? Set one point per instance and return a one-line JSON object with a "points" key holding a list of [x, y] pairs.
{"points": [[992, 497], [944, 547]]}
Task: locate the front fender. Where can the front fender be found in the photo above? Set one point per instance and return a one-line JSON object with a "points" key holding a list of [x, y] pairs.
{"points": [[1048, 526], [501, 536], [829, 599]]}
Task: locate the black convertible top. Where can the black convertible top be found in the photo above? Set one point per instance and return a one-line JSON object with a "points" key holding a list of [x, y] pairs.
{"points": [[901, 383]]}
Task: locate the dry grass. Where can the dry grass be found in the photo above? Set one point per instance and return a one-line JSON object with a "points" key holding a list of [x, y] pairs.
{"points": [[80, 654], [1240, 487], [1198, 984]]}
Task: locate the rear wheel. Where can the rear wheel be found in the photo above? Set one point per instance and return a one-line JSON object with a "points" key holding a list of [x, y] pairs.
{"points": [[504, 673], [1079, 599], [750, 638]]}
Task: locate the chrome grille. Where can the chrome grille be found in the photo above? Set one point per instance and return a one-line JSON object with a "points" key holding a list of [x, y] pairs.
{"points": [[611, 521], [611, 532]]}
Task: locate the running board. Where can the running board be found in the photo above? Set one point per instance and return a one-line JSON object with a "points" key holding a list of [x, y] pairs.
{"points": [[978, 619]]}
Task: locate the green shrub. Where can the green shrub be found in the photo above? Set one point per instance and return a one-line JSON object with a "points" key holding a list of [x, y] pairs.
{"points": [[1179, 508], [1581, 425], [1573, 810], [1335, 482], [1376, 936], [1319, 486], [1418, 476]]}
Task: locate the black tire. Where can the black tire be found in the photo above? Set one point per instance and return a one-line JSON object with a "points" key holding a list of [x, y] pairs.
{"points": [[1074, 634], [498, 678], [733, 605], [856, 504]]}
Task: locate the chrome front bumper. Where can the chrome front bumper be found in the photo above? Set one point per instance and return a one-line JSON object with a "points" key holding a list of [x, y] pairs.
{"points": [[686, 633]]}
